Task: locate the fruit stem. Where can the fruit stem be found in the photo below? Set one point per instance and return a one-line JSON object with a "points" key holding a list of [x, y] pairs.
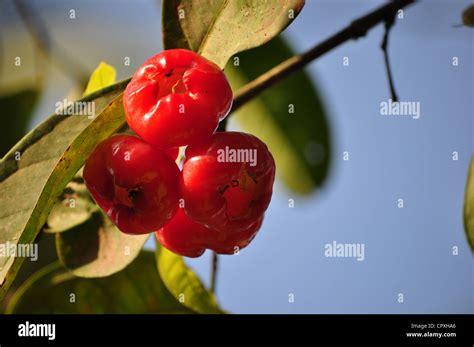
{"points": [[214, 263]]}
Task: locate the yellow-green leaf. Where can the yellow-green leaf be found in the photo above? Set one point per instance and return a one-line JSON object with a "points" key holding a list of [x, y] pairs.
{"points": [[183, 283], [104, 75]]}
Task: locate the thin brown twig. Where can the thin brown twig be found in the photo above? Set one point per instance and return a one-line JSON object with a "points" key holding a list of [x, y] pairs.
{"points": [[388, 25], [214, 266], [358, 28]]}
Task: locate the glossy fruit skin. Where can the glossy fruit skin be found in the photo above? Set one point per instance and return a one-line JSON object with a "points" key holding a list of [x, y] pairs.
{"points": [[176, 98], [136, 184], [226, 195], [188, 238]]}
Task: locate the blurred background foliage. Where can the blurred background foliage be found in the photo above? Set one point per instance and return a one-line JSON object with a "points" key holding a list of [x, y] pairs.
{"points": [[17, 109]]}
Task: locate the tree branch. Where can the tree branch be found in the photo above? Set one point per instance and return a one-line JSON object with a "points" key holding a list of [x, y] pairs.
{"points": [[388, 25], [214, 262], [358, 28]]}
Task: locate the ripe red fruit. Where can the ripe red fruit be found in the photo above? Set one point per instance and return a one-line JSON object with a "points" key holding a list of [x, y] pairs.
{"points": [[172, 153], [227, 181], [176, 98], [186, 237], [136, 184]]}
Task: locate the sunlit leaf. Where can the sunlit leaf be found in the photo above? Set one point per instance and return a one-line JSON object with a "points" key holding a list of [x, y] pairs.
{"points": [[183, 283], [217, 29], [104, 75]]}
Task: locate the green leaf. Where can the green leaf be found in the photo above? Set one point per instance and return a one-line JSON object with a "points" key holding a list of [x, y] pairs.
{"points": [[87, 242], [46, 251], [103, 76], [468, 16], [469, 206], [136, 289], [74, 208], [17, 108], [299, 141], [219, 29], [97, 248], [35, 172], [183, 283]]}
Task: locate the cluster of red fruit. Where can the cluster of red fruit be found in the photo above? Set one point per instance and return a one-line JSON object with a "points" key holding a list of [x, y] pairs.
{"points": [[217, 201]]}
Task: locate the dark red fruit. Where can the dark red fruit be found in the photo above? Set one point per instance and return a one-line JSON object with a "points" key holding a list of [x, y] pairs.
{"points": [[227, 181], [185, 237], [136, 184]]}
